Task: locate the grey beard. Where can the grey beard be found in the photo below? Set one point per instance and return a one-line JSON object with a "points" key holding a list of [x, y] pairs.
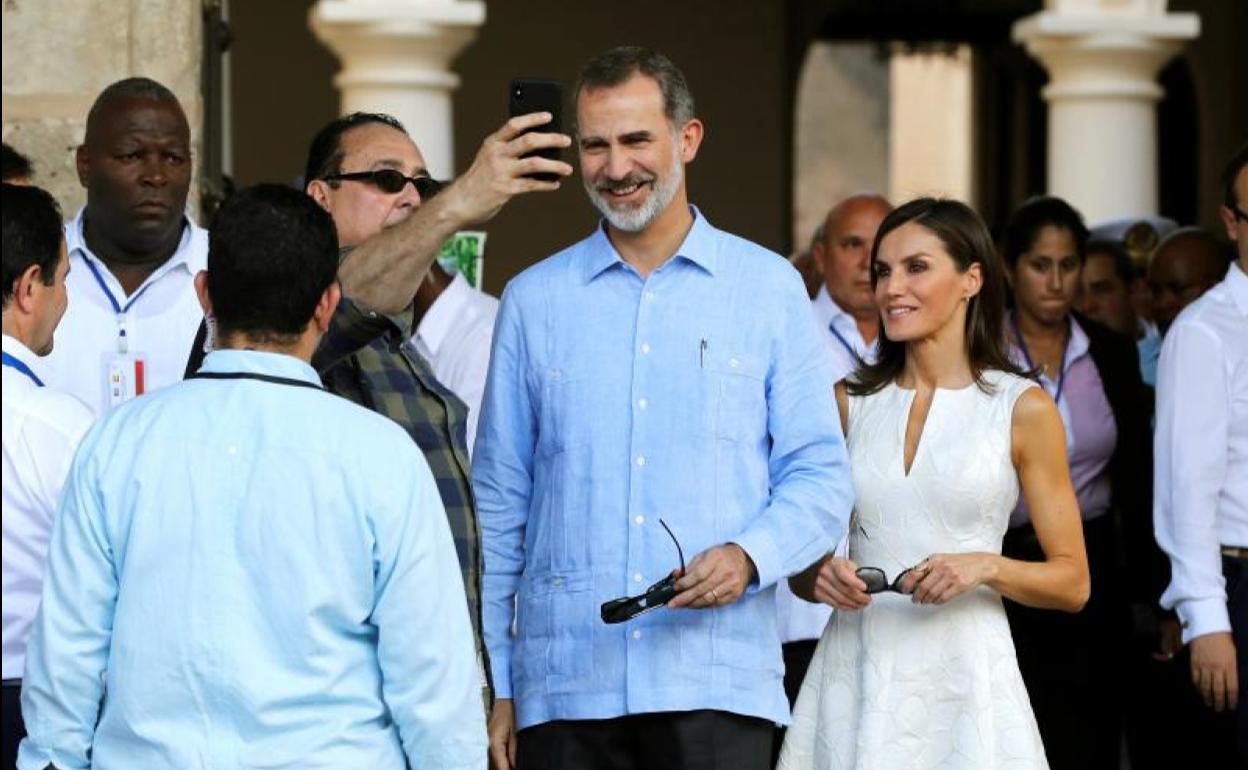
{"points": [[638, 218]]}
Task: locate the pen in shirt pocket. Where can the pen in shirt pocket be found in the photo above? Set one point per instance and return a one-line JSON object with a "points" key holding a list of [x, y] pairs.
{"points": [[702, 354]]}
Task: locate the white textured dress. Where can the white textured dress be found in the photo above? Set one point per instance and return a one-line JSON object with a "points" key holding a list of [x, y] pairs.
{"points": [[900, 685]]}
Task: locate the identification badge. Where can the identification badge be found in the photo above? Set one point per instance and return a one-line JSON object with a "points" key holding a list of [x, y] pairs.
{"points": [[124, 377]]}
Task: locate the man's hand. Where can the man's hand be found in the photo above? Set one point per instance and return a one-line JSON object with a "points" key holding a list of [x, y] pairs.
{"points": [[498, 173], [716, 577], [1214, 672], [503, 735]]}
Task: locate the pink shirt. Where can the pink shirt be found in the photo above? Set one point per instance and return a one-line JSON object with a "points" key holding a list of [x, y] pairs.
{"points": [[1091, 433]]}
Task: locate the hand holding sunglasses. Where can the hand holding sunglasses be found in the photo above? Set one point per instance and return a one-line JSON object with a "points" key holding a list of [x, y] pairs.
{"points": [[654, 597]]}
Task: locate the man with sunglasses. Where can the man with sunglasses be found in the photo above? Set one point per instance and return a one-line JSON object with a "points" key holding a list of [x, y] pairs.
{"points": [[369, 175], [1201, 486]]}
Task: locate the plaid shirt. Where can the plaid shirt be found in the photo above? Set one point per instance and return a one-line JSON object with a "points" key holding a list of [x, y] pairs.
{"points": [[368, 359]]}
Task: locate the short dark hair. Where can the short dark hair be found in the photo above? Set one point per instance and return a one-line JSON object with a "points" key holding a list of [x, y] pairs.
{"points": [[16, 165], [272, 253], [1235, 165], [1124, 266], [1034, 215], [613, 67], [130, 88], [33, 232], [325, 153], [966, 239]]}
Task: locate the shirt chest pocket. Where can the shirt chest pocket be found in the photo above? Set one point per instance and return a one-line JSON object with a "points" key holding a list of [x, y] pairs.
{"points": [[734, 397]]}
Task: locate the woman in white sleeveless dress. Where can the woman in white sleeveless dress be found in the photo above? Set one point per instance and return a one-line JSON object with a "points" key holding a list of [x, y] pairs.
{"points": [[917, 668]]}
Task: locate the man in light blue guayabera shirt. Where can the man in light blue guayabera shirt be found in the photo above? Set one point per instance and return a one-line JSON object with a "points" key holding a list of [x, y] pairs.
{"points": [[659, 369], [247, 571]]}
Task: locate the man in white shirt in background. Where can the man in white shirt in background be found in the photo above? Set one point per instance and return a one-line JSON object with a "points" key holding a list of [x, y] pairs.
{"points": [[1201, 487], [845, 309], [845, 305], [454, 334], [133, 251], [41, 427]]}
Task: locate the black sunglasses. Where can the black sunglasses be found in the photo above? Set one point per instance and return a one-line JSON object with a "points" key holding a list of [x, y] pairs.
{"points": [[1238, 213], [654, 597], [877, 582], [389, 180]]}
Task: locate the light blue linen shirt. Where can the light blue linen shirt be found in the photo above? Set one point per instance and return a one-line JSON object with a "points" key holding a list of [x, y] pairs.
{"points": [[263, 575], [700, 395]]}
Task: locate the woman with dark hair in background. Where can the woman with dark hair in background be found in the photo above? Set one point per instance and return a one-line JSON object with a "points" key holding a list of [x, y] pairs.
{"points": [[1074, 664], [918, 669]]}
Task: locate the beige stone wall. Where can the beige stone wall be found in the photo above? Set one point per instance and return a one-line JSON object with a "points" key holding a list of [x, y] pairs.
{"points": [[59, 54]]}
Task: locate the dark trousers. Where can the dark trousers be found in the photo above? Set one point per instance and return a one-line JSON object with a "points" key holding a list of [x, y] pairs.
{"points": [[1074, 665], [12, 729], [679, 740], [797, 656]]}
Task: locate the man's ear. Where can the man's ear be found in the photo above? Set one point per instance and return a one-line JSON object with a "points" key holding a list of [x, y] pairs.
{"points": [[82, 162], [691, 139], [326, 306], [201, 291], [24, 289], [318, 190], [1228, 221]]}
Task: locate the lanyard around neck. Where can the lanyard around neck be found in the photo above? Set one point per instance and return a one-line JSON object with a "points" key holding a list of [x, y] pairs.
{"points": [[118, 308], [1022, 345], [13, 362], [853, 354]]}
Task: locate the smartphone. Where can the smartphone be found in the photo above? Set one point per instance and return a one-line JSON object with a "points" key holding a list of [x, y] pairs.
{"points": [[526, 95]]}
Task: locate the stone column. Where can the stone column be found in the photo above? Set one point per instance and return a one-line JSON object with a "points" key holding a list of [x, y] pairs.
{"points": [[396, 57], [1103, 57]]}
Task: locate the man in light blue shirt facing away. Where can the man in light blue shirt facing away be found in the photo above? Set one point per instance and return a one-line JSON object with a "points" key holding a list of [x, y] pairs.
{"points": [[659, 369], [246, 570]]}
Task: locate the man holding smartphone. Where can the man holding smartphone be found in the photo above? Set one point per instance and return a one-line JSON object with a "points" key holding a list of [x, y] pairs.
{"points": [[659, 368]]}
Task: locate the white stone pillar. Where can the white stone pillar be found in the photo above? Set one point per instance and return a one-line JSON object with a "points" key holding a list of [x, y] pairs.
{"points": [[1103, 57], [396, 58]]}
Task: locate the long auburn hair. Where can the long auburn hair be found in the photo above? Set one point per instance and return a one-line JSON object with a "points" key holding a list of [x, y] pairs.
{"points": [[966, 240]]}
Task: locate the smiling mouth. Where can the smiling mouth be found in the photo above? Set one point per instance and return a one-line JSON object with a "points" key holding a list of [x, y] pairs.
{"points": [[897, 312], [624, 190]]}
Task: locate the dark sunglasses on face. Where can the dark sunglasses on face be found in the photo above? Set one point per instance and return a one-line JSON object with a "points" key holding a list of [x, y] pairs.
{"points": [[1238, 213], [654, 597], [389, 180]]}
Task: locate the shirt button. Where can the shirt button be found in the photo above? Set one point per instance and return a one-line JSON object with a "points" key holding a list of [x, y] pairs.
{"points": [[733, 363], [637, 634], [640, 520], [641, 460], [233, 450], [645, 348], [642, 404], [637, 578], [650, 296]]}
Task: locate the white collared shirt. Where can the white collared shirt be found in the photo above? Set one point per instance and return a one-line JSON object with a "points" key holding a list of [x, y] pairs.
{"points": [[798, 619], [455, 337], [42, 429], [844, 341], [160, 324], [1201, 451]]}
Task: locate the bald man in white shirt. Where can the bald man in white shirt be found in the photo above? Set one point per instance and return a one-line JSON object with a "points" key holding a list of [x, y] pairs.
{"points": [[41, 427], [1201, 486]]}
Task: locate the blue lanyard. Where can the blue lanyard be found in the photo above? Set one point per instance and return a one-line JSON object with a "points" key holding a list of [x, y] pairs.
{"points": [[13, 363], [1022, 345], [117, 308], [853, 354]]}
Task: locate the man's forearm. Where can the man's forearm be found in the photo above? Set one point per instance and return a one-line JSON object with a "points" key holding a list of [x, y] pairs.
{"points": [[383, 273]]}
